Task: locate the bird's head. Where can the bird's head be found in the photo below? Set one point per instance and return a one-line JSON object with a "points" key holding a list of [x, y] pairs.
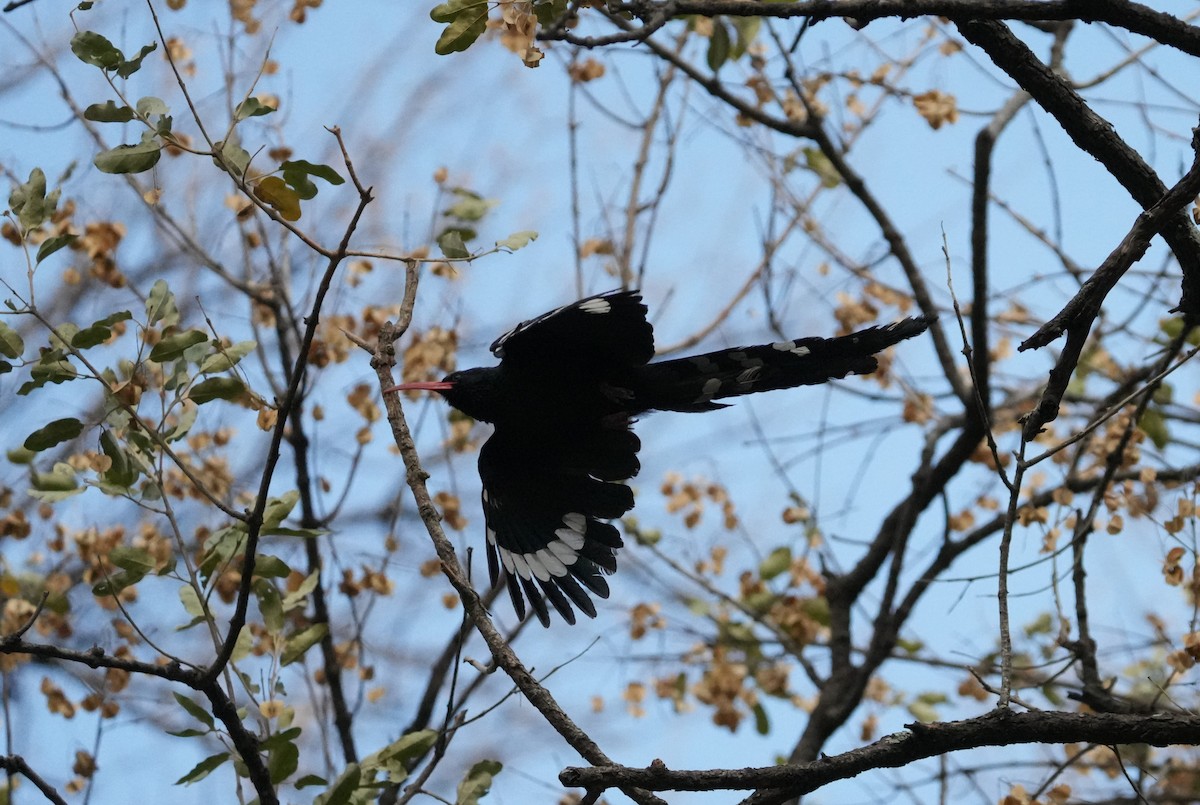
{"points": [[468, 390]]}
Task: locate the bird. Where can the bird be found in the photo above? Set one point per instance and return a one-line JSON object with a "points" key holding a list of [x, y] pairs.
{"points": [[562, 402]]}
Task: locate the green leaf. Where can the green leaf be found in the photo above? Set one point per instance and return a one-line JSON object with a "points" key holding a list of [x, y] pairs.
{"points": [[518, 240], [135, 560], [51, 245], [923, 712], [718, 45], [194, 709], [216, 388], [297, 172], [312, 169], [408, 747], [467, 26], [123, 471], [548, 13], [819, 164], [222, 547], [269, 566], [234, 158], [29, 201], [310, 779], [396, 758], [130, 158], [183, 425], [162, 127], [1154, 425], [280, 738], [282, 761], [343, 787], [117, 582], [226, 358], [172, 346], [299, 596], [817, 609], [57, 432], [279, 508], [113, 318], [108, 112], [62, 335], [477, 782], [243, 646], [252, 107], [90, 337], [149, 106], [446, 12], [59, 479], [128, 68], [191, 601], [302, 641], [283, 199], [99, 331], [52, 367], [747, 32], [762, 725], [11, 343], [270, 605], [188, 733], [203, 769], [54, 496], [470, 205], [19, 455], [452, 245], [92, 48], [160, 306], [776, 562], [305, 533]]}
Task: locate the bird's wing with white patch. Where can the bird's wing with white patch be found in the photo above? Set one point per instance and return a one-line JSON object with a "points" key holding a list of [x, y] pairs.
{"points": [[546, 530], [609, 329]]}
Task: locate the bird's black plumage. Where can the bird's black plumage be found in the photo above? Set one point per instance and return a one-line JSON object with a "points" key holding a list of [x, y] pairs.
{"points": [[563, 400]]}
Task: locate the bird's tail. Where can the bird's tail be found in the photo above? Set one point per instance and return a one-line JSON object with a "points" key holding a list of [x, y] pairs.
{"points": [[692, 384]]}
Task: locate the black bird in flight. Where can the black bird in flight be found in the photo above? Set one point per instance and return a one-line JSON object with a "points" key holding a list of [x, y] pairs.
{"points": [[563, 401]]}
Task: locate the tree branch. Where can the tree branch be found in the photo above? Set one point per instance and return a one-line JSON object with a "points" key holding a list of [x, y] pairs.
{"points": [[1095, 136], [996, 728]]}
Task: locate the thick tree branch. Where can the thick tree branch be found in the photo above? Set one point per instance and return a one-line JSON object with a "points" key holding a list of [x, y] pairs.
{"points": [[15, 764], [1095, 136], [997, 728], [1134, 17], [1077, 316], [1086, 303]]}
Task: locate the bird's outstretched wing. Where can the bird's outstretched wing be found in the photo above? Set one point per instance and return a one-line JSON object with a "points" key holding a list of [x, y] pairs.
{"points": [[544, 503], [693, 383], [606, 330]]}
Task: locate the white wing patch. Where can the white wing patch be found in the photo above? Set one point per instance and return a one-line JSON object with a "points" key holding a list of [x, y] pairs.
{"points": [[710, 388], [598, 305], [555, 559], [790, 346]]}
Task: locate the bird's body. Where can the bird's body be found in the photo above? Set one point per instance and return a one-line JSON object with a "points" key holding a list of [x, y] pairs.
{"points": [[563, 400]]}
